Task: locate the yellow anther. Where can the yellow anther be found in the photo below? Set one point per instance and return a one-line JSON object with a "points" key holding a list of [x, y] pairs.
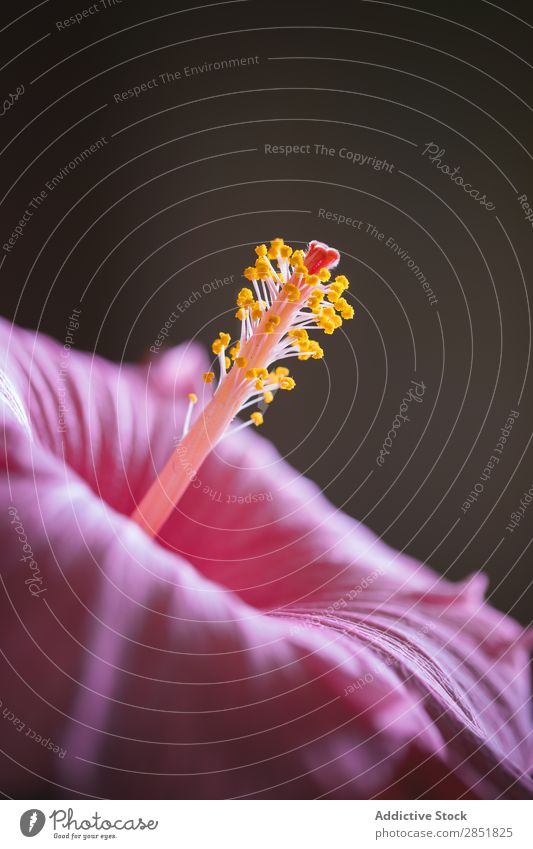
{"points": [[297, 257], [220, 343], [287, 383], [314, 300], [344, 308], [285, 251], [261, 250], [271, 323], [313, 350], [262, 267], [268, 397], [341, 304], [312, 280], [258, 385], [235, 350], [281, 371], [327, 320], [227, 363], [292, 292], [241, 314], [275, 247], [209, 376], [333, 296], [324, 275], [257, 419], [193, 398], [256, 312], [250, 273], [342, 281], [241, 362], [256, 373], [245, 298]]}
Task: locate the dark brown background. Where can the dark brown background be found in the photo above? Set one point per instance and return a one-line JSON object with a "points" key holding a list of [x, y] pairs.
{"points": [[184, 192]]}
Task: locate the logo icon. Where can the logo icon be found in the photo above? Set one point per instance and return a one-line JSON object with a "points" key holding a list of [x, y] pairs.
{"points": [[32, 822]]}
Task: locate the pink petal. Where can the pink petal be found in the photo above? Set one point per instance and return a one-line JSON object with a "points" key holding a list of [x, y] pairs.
{"points": [[269, 647]]}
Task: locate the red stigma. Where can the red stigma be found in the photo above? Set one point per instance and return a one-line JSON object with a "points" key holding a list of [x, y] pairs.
{"points": [[320, 256]]}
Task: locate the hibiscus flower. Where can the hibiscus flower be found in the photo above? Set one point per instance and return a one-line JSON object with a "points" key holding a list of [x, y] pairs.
{"points": [[263, 645]]}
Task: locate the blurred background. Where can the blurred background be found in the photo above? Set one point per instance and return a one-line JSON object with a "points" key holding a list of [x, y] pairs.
{"points": [[161, 145]]}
